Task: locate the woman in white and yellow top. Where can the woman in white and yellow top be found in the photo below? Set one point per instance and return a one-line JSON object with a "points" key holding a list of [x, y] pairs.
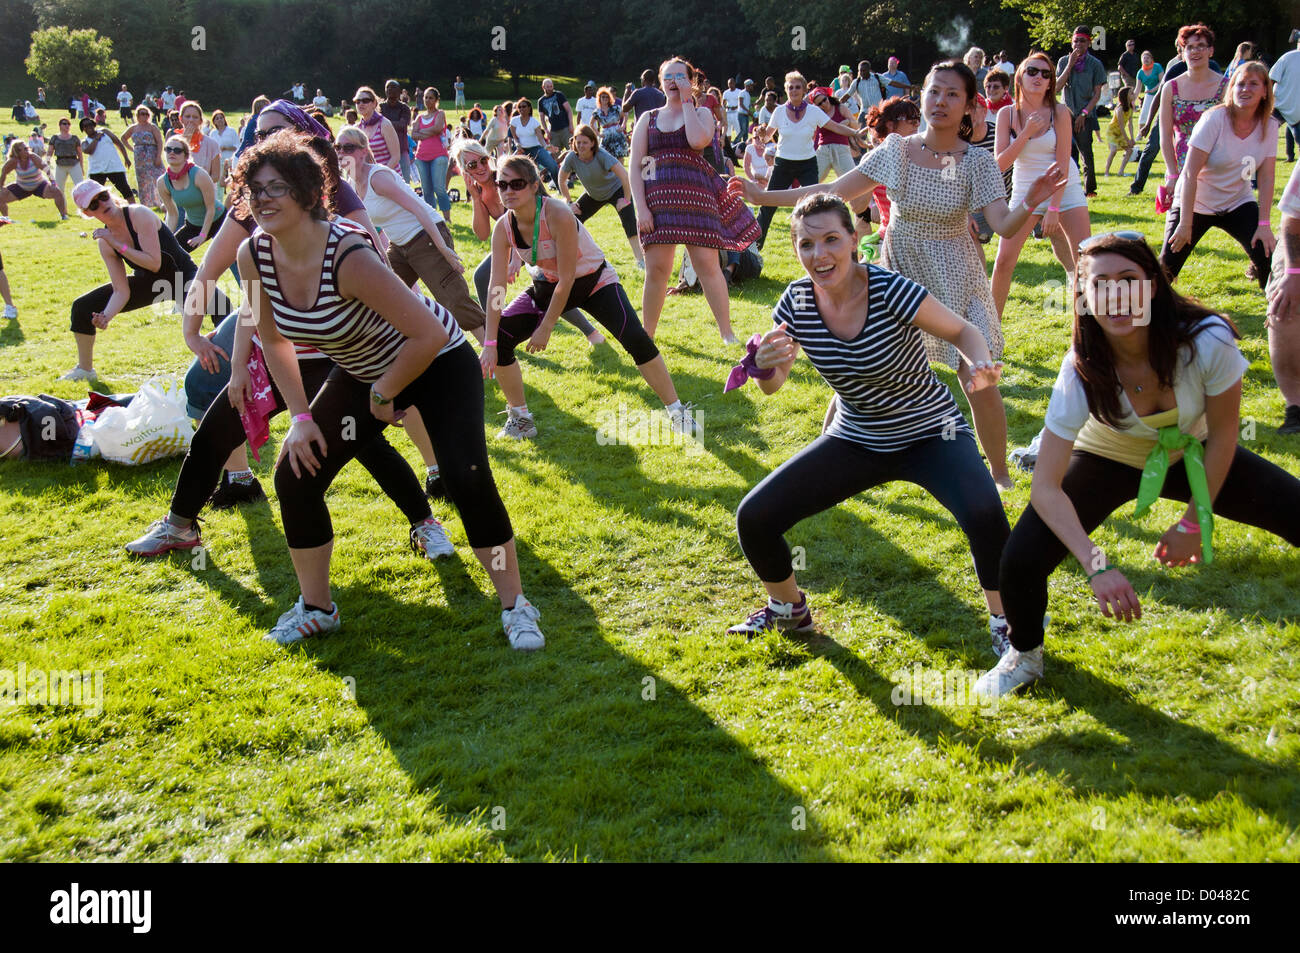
{"points": [[1147, 405]]}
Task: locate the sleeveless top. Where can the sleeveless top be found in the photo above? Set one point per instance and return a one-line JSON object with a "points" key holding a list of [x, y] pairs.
{"points": [[358, 339], [399, 224], [175, 260], [378, 144], [590, 257], [65, 150], [1186, 112], [432, 147], [190, 199], [30, 178]]}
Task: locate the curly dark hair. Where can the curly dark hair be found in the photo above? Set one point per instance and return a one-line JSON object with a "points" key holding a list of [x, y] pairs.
{"points": [[1175, 321], [893, 109], [302, 162]]}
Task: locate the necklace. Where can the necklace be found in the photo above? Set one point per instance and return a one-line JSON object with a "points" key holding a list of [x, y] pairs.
{"points": [[934, 152]]}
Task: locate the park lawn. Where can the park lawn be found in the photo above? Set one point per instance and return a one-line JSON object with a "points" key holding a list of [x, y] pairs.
{"points": [[642, 732]]}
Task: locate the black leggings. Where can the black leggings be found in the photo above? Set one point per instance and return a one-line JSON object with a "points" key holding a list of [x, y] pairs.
{"points": [[119, 181], [609, 306], [587, 207], [146, 288], [1255, 492], [785, 173], [831, 469], [449, 396], [483, 276], [191, 230], [1240, 223], [221, 432]]}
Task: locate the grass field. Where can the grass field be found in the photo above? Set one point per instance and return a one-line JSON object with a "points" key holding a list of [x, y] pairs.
{"points": [[642, 732]]}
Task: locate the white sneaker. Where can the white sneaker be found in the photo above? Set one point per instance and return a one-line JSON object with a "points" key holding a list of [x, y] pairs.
{"points": [[299, 623], [1015, 670], [431, 540], [521, 628], [1000, 632], [79, 373], [519, 426], [11, 312], [683, 419], [162, 537]]}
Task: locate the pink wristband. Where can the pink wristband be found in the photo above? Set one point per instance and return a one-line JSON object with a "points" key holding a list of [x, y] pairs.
{"points": [[492, 343], [1293, 271], [301, 418], [1187, 526], [1052, 208]]}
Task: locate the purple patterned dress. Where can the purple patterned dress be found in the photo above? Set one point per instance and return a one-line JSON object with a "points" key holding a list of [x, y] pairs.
{"points": [[688, 199]]}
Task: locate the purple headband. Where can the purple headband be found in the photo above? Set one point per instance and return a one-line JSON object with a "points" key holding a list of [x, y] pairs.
{"points": [[300, 119]]}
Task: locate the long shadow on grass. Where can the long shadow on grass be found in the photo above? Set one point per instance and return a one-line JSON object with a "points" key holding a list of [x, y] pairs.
{"points": [[575, 751], [1153, 758]]}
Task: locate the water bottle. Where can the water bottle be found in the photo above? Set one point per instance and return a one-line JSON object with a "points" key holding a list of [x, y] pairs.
{"points": [[84, 448]]}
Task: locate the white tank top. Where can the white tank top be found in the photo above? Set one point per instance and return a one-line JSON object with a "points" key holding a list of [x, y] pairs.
{"points": [[398, 224]]}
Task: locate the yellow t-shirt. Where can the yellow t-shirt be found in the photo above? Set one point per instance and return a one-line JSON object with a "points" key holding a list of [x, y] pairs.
{"points": [[1096, 437]]}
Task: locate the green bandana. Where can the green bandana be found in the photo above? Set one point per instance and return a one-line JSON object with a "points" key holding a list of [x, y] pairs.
{"points": [[1157, 468]]}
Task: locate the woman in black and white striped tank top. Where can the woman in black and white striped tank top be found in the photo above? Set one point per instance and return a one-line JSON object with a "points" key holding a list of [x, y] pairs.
{"points": [[323, 285], [861, 326]]}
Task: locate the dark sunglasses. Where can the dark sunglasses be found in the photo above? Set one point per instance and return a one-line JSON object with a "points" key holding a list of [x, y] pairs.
{"points": [[474, 163], [175, 150], [364, 99], [1042, 71], [1128, 236], [100, 199], [349, 147], [512, 185], [261, 134]]}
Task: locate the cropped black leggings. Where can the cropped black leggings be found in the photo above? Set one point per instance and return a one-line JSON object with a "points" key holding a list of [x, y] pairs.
{"points": [[449, 396], [831, 469], [785, 173], [221, 432], [587, 207], [609, 306], [483, 276], [145, 288], [1240, 223], [1255, 492]]}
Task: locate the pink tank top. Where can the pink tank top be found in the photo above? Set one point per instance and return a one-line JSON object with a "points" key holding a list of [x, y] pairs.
{"points": [[432, 147], [590, 257]]}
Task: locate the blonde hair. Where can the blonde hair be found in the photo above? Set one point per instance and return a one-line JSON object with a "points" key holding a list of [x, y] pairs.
{"points": [[357, 137], [179, 139], [462, 146], [1265, 108]]}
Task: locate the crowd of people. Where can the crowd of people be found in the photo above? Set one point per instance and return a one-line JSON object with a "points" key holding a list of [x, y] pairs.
{"points": [[333, 328]]}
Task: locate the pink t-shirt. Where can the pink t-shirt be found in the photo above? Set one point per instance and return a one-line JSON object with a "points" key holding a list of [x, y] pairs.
{"points": [[432, 147], [1224, 182]]}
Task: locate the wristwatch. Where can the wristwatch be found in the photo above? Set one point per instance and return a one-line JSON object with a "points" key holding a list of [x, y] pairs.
{"points": [[379, 398]]}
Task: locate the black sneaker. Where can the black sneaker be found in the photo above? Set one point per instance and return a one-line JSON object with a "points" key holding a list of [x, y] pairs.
{"points": [[1038, 229], [230, 494], [433, 487], [1292, 422]]}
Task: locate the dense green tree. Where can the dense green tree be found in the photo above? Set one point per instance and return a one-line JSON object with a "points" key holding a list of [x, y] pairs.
{"points": [[68, 61]]}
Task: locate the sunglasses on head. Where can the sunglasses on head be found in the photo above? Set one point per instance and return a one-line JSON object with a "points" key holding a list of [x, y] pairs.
{"points": [[1042, 71], [261, 134], [512, 185], [1126, 235], [94, 204], [175, 150]]}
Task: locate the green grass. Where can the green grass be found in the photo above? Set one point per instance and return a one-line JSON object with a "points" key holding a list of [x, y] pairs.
{"points": [[641, 732]]}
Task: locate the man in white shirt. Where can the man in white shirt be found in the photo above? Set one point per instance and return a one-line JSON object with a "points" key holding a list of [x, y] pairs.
{"points": [[746, 109], [322, 103], [731, 97], [124, 103], [1285, 75], [867, 87], [299, 92], [169, 99], [587, 105]]}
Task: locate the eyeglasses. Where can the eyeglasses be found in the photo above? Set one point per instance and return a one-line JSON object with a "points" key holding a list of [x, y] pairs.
{"points": [[175, 150], [1126, 235], [274, 190], [93, 204], [348, 147], [512, 185], [364, 99], [263, 133], [1042, 71], [473, 164]]}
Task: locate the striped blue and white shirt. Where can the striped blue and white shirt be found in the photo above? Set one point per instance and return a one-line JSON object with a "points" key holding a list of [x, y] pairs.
{"points": [[889, 398]]}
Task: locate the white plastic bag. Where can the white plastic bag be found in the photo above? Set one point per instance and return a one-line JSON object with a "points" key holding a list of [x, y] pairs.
{"points": [[155, 425]]}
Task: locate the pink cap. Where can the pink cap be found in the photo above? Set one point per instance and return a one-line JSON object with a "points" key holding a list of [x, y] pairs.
{"points": [[85, 192]]}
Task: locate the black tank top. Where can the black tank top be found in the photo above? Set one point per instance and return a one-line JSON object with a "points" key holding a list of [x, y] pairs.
{"points": [[174, 257]]}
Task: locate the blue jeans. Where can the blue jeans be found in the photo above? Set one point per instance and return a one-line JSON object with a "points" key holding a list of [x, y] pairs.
{"points": [[433, 181], [404, 162], [546, 162], [202, 388]]}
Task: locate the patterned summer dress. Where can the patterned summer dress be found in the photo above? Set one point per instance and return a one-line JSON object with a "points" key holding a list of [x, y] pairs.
{"points": [[688, 199], [1187, 112], [929, 240], [612, 137], [147, 166]]}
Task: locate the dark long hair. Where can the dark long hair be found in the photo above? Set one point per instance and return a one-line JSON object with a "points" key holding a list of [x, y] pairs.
{"points": [[966, 130], [1175, 321], [893, 109]]}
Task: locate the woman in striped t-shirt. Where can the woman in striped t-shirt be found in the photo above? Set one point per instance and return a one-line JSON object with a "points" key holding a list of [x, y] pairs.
{"points": [[861, 328], [393, 350]]}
